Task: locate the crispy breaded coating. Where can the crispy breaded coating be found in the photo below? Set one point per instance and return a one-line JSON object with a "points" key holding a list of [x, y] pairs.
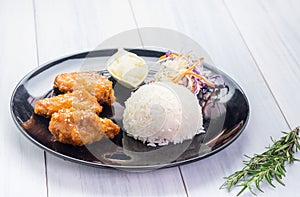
{"points": [[80, 127], [93, 82], [79, 99]]}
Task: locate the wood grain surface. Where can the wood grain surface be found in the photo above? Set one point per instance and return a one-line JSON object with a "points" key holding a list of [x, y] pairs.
{"points": [[22, 164], [256, 42]]}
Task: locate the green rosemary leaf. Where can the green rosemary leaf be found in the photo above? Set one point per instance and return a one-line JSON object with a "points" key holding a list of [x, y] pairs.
{"points": [[278, 179], [283, 147], [297, 143], [288, 156], [250, 189], [268, 178], [242, 190], [287, 138], [257, 184]]}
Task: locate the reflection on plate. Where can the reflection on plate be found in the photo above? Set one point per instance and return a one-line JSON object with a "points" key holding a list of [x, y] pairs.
{"points": [[224, 119]]}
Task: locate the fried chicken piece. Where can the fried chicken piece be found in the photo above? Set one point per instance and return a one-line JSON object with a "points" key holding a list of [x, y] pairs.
{"points": [[80, 127], [79, 99], [93, 82]]}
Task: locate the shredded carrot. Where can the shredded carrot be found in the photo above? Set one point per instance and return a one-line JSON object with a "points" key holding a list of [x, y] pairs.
{"points": [[162, 57], [193, 88], [177, 78], [189, 69], [201, 77], [192, 67], [171, 55]]}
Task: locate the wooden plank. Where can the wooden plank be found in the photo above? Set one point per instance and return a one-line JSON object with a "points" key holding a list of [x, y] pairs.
{"points": [[284, 17], [66, 179], [66, 27], [273, 37], [210, 24], [22, 164]]}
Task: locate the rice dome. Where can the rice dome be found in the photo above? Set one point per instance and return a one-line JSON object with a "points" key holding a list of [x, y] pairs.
{"points": [[162, 113]]}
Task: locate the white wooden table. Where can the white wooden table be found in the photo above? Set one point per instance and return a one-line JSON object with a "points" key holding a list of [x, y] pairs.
{"points": [[257, 42]]}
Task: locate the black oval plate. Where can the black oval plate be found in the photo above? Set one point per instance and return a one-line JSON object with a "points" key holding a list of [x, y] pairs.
{"points": [[224, 119]]}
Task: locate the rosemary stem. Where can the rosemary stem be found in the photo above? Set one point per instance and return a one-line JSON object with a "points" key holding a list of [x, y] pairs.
{"points": [[269, 165]]}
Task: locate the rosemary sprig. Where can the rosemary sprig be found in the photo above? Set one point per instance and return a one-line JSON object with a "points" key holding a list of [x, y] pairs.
{"points": [[269, 165]]}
